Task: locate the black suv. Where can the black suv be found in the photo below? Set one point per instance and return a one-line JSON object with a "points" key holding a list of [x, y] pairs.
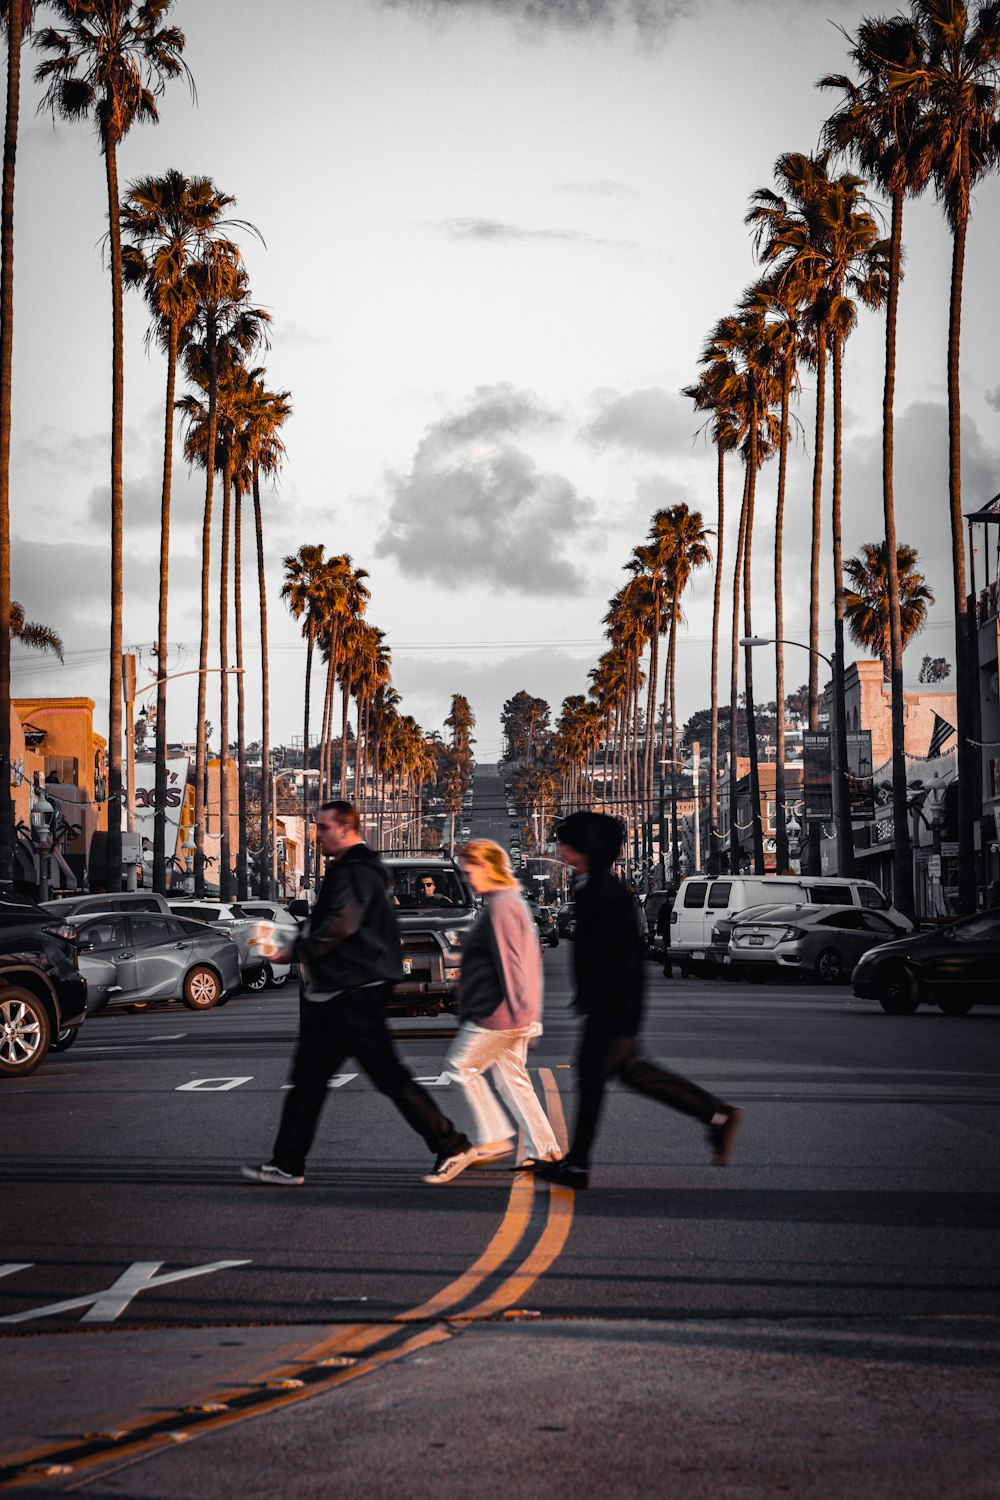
{"points": [[435, 908], [43, 995]]}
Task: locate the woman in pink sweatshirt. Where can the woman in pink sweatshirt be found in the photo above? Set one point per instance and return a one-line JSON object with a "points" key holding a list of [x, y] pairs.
{"points": [[500, 1009]]}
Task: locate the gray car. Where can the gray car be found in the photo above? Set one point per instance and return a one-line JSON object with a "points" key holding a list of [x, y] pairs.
{"points": [[819, 942], [247, 932], [135, 958]]}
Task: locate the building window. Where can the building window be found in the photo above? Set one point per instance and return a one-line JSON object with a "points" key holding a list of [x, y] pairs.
{"points": [[63, 769]]}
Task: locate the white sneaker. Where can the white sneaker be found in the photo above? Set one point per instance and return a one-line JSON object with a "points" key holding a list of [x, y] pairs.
{"points": [[268, 1172], [446, 1167]]}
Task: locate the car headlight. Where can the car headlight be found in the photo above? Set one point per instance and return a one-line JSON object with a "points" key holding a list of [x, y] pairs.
{"points": [[453, 937]]}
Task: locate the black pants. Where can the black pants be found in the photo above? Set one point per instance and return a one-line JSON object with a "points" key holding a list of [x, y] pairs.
{"points": [[602, 1056], [330, 1031]]}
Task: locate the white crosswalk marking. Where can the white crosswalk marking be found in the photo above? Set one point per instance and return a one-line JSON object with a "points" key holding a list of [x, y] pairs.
{"points": [[336, 1082], [108, 1305], [211, 1085]]}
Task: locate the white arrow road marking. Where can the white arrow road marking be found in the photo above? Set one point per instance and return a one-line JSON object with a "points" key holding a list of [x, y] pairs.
{"points": [[11, 1266], [211, 1085], [439, 1081], [336, 1082], [108, 1305], [173, 1036]]}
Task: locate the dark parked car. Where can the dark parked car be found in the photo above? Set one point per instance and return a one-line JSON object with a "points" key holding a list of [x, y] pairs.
{"points": [[819, 942], [91, 901], [955, 967], [43, 995], [548, 927], [132, 959], [435, 908], [566, 919]]}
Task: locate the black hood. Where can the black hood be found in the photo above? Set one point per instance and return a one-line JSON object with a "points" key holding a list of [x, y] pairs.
{"points": [[595, 835]]}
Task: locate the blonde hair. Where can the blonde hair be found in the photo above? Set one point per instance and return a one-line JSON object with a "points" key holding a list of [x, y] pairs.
{"points": [[492, 858]]}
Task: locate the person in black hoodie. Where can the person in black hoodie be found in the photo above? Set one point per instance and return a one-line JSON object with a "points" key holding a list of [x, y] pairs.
{"points": [[349, 959], [607, 963]]}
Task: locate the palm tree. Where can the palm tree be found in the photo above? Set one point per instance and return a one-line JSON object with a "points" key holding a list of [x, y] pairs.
{"points": [[16, 17], [223, 331], [955, 84], [357, 598], [109, 62], [166, 221], [301, 591], [270, 412], [876, 125], [31, 633], [867, 604], [725, 435]]}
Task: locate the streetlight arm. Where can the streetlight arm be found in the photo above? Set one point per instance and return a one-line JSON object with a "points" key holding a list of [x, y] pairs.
{"points": [[194, 672], [780, 640]]}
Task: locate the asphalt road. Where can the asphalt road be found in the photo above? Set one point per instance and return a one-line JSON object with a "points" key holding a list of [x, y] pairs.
{"points": [[819, 1318]]}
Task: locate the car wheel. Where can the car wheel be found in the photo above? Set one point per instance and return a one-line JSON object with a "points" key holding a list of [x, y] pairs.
{"points": [[65, 1039], [684, 968], [255, 980], [897, 991], [202, 989], [829, 967], [277, 981], [25, 1032], [956, 1005]]}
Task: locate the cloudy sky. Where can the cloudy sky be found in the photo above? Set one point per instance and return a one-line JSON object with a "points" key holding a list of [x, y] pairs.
{"points": [[496, 233]]}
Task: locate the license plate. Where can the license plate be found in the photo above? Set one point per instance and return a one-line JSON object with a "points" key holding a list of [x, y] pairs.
{"points": [[407, 965], [698, 953], [756, 942]]}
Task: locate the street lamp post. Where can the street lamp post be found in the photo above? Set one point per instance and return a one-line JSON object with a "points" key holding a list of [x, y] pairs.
{"points": [[42, 817], [841, 798]]}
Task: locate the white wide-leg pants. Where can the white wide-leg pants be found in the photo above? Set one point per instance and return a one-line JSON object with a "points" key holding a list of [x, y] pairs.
{"points": [[474, 1053]]}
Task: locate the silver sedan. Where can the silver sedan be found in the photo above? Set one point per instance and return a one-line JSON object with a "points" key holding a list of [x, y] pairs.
{"points": [[130, 959], [820, 942]]}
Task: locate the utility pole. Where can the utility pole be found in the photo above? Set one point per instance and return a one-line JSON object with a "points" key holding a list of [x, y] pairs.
{"points": [[128, 690]]}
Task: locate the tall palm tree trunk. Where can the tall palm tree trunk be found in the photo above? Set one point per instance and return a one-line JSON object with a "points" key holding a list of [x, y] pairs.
{"points": [[326, 733], [902, 858], [310, 631], [675, 859], [781, 857], [814, 556], [714, 849], [266, 811], [160, 793], [966, 697], [225, 841], [242, 888], [756, 829], [345, 703], [115, 790], [201, 747], [15, 20], [841, 801], [734, 687]]}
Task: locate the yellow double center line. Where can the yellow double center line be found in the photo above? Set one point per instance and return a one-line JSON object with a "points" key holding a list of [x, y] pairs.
{"points": [[319, 1368]]}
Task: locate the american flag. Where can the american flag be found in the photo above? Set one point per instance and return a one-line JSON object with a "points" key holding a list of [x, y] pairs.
{"points": [[941, 734]]}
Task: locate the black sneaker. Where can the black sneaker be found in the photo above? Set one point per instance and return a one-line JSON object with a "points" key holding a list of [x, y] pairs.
{"points": [[721, 1136], [448, 1165], [267, 1172], [563, 1173]]}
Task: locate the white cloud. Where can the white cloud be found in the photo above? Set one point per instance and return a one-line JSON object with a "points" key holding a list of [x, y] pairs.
{"points": [[477, 508], [645, 421]]}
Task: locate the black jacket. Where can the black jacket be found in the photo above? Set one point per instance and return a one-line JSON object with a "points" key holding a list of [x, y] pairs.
{"points": [[607, 950], [351, 937]]}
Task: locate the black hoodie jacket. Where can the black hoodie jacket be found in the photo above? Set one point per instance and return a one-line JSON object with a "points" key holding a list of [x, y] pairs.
{"points": [[351, 937], [607, 952]]}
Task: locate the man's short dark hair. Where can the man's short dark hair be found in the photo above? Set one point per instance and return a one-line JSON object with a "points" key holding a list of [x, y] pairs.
{"points": [[344, 812]]}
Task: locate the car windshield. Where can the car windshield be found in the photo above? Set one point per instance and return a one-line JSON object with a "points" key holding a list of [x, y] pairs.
{"points": [[418, 887]]}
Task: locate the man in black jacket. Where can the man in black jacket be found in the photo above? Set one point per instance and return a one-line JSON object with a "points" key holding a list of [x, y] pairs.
{"points": [[607, 963], [349, 959]]}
